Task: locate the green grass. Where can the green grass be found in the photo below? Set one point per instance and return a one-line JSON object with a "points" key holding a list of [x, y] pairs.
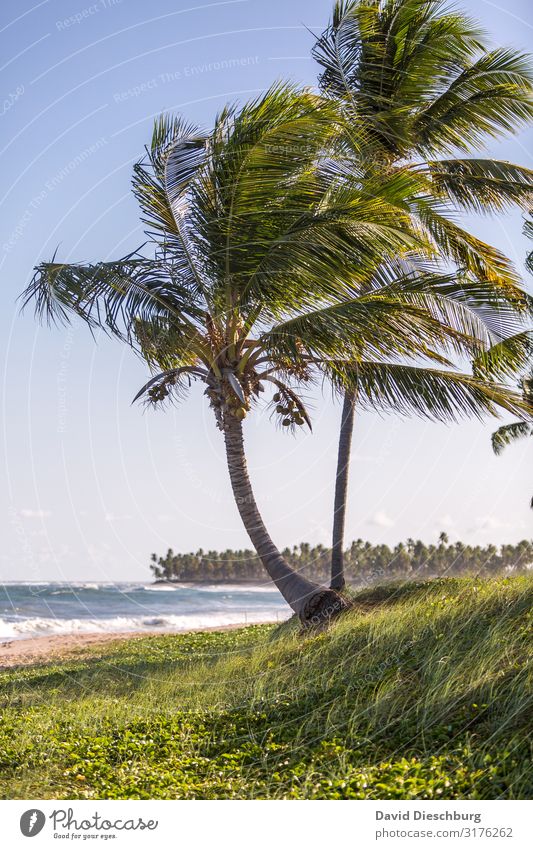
{"points": [[422, 692]]}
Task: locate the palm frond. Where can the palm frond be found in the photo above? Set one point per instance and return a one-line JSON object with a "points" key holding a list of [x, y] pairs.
{"points": [[374, 325], [481, 185], [507, 434], [507, 358], [473, 307], [161, 182], [170, 382], [323, 256], [110, 295], [490, 97], [470, 253], [258, 179], [425, 392], [165, 344]]}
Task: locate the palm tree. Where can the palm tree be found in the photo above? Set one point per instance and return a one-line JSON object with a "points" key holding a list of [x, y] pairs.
{"points": [[417, 80], [255, 252]]}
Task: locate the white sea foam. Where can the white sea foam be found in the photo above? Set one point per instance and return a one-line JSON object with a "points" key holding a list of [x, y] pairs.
{"points": [[233, 588], [41, 626], [210, 588]]}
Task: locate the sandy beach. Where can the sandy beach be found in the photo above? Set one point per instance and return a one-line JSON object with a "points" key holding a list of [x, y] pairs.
{"points": [[60, 646], [22, 652]]}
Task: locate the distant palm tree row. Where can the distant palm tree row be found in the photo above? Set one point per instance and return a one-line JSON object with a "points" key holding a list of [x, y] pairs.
{"points": [[314, 237], [365, 563]]}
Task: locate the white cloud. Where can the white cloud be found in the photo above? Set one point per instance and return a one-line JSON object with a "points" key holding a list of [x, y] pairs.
{"points": [[445, 521], [26, 513], [492, 523], [113, 517], [381, 520], [366, 458]]}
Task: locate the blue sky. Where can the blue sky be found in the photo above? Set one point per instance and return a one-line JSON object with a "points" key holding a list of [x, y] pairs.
{"points": [[93, 485]]}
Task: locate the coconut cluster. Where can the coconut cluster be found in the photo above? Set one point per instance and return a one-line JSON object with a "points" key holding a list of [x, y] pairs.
{"points": [[225, 401], [289, 409], [161, 390]]}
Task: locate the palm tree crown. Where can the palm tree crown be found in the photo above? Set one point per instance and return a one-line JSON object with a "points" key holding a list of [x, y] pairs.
{"points": [[420, 74], [269, 261]]}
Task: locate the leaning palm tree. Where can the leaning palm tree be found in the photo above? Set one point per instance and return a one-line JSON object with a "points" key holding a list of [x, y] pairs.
{"points": [[255, 250], [418, 81]]}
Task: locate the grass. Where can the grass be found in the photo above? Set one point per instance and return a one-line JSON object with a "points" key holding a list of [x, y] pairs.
{"points": [[421, 692]]}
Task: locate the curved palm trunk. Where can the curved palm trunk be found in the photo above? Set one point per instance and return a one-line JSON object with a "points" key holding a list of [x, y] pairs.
{"points": [[311, 602], [338, 580]]}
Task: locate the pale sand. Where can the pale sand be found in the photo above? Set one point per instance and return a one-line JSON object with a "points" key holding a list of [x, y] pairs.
{"points": [[62, 646]]}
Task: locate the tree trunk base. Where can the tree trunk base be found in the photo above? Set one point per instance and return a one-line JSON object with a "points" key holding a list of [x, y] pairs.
{"points": [[321, 608]]}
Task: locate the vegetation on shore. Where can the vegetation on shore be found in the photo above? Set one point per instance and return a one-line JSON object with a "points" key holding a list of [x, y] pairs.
{"points": [[421, 691], [365, 563]]}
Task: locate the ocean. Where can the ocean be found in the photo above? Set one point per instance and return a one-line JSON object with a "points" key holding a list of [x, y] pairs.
{"points": [[42, 609]]}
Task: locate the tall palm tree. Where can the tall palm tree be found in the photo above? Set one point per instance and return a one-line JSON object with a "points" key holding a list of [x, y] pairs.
{"points": [[418, 81], [256, 248]]}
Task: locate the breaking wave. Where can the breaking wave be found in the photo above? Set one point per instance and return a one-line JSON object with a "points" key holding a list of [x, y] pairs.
{"points": [[17, 629]]}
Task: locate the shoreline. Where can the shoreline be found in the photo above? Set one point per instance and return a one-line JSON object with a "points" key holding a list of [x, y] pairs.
{"points": [[237, 582], [25, 652]]}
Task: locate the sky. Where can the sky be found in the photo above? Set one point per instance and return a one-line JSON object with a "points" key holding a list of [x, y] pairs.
{"points": [[92, 484]]}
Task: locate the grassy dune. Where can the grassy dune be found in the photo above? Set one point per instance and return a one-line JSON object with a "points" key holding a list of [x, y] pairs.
{"points": [[421, 692]]}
